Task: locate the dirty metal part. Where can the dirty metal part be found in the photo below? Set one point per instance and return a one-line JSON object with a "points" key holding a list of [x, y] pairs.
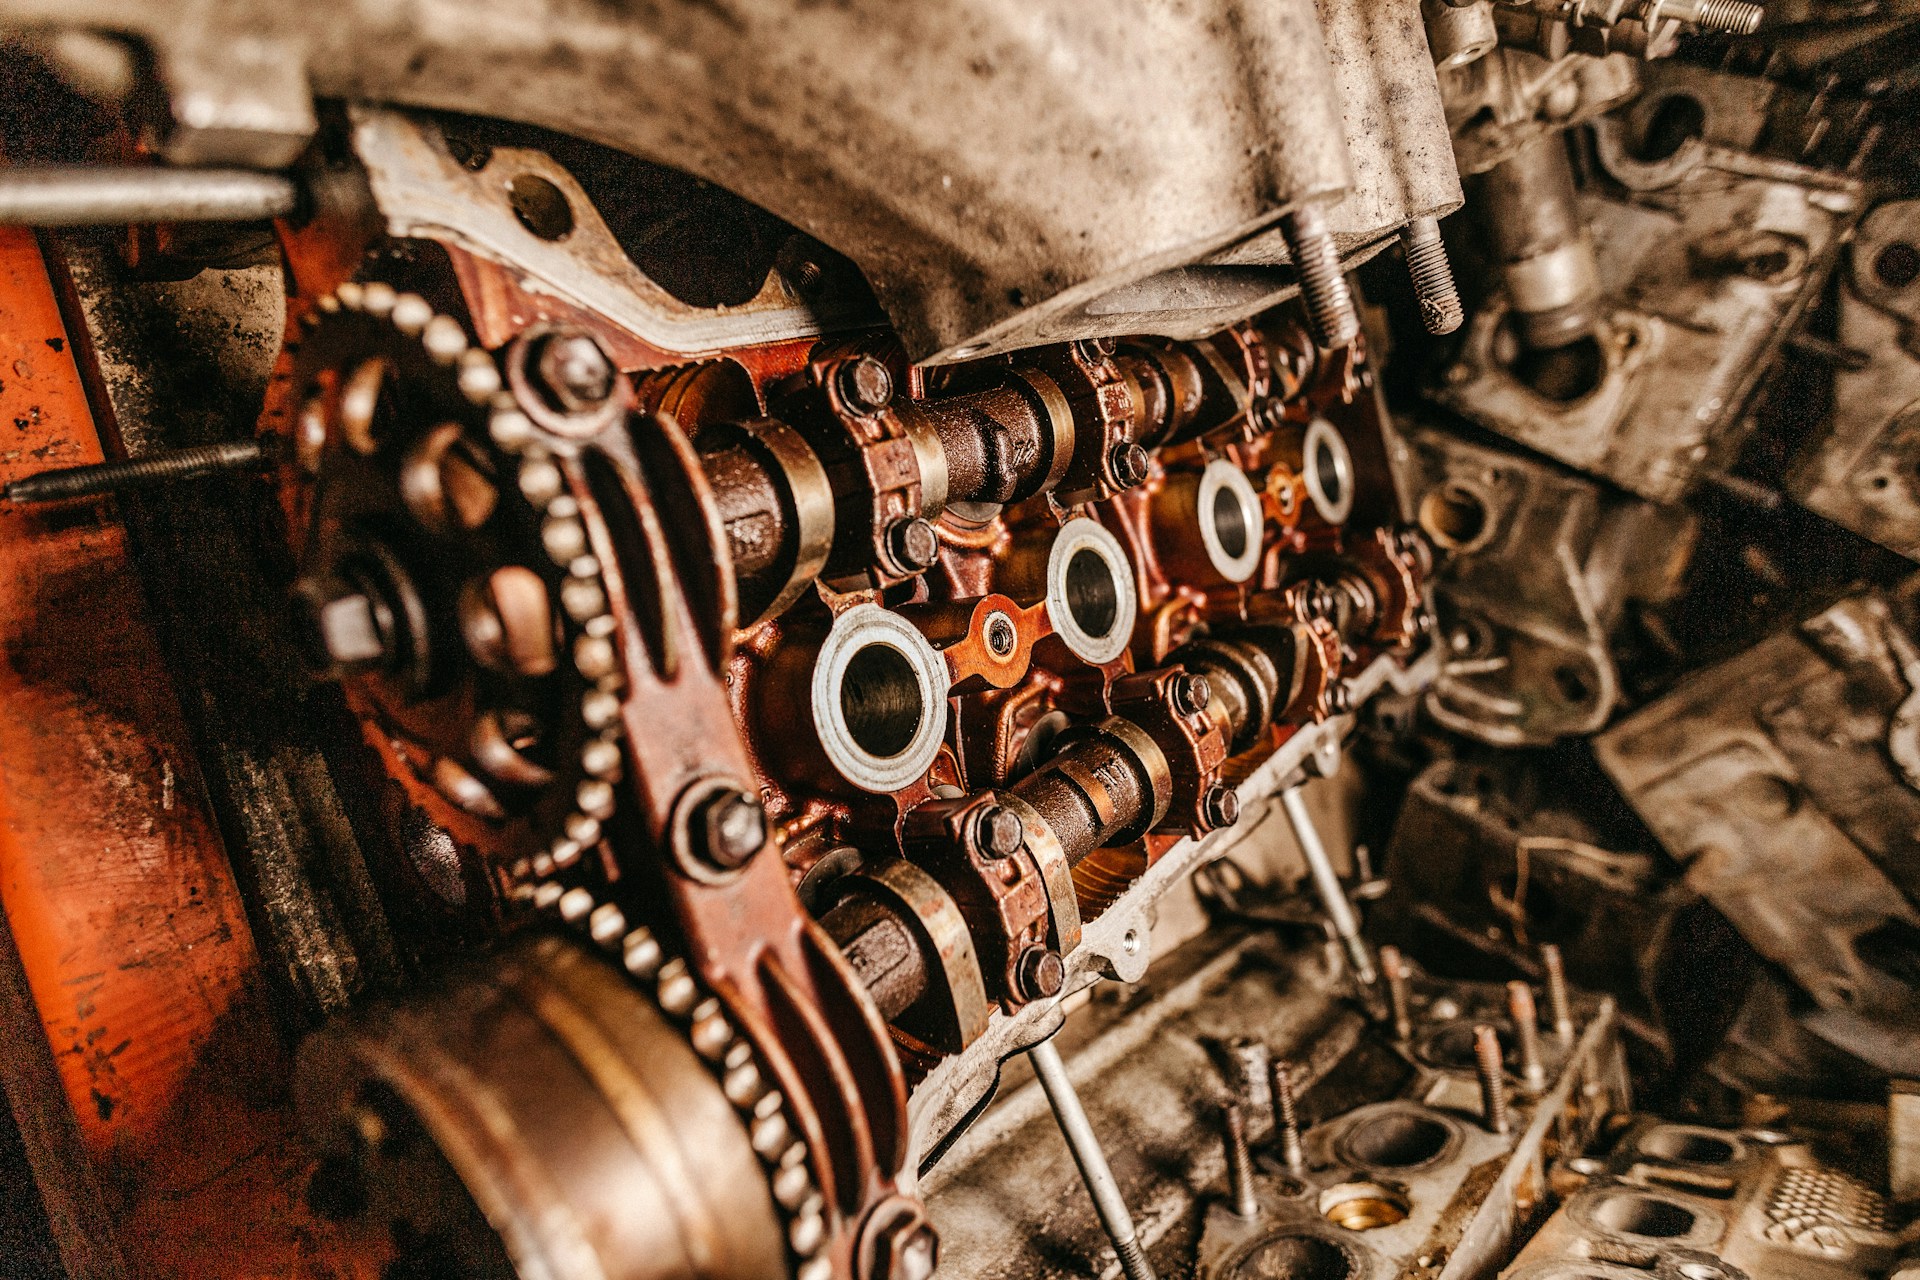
{"points": [[1108, 1202], [191, 463], [1326, 883], [1286, 1119], [1538, 566], [1491, 1074], [1559, 1002], [1856, 468], [542, 1106], [1716, 1204], [1116, 943], [1772, 767], [1524, 1015], [1239, 1162], [1427, 264], [1903, 1141], [1706, 259], [98, 196], [1527, 209]]}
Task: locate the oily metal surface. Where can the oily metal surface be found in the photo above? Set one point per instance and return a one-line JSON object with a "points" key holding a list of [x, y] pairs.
{"points": [[995, 167]]}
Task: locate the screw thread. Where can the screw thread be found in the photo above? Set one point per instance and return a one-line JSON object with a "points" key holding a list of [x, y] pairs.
{"points": [[1559, 1002], [1239, 1163], [1133, 1259], [1432, 275], [1331, 318], [1399, 1000], [1286, 1118], [1735, 17], [1526, 1030], [1493, 1082], [115, 477]]}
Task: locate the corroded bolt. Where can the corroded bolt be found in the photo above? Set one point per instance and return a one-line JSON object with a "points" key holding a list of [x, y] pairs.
{"points": [[729, 827], [1239, 1163], [1559, 1003], [1488, 1066], [1526, 1030], [1286, 1118], [1394, 965], [999, 831], [1129, 463], [1331, 318], [136, 473], [865, 385], [1191, 693], [912, 545], [1221, 805], [1038, 973], [1432, 275]]}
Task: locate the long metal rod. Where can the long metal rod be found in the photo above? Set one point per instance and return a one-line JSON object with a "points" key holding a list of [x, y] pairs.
{"points": [[63, 196], [146, 471], [1326, 882], [1107, 1201]]}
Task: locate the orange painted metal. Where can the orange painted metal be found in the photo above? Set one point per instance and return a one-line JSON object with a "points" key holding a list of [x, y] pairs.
{"points": [[130, 932]]}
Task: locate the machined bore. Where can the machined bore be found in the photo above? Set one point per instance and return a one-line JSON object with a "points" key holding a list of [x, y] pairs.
{"points": [[879, 699], [1091, 597], [1327, 467]]}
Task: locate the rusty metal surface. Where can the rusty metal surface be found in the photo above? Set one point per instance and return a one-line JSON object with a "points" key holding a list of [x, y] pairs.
{"points": [[131, 934]]}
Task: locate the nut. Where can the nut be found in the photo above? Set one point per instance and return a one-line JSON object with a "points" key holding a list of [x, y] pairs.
{"points": [[1038, 974], [999, 831], [1220, 806], [728, 828], [1129, 464], [912, 545], [864, 385]]}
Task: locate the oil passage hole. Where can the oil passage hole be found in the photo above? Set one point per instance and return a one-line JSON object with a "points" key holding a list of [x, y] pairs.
{"points": [[541, 207], [1295, 1258], [1398, 1141], [1678, 120], [1363, 1206], [1455, 517], [880, 700], [1897, 265], [1644, 1216], [1230, 523], [1091, 593], [1686, 1147]]}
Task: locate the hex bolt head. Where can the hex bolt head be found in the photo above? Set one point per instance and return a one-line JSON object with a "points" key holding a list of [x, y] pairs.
{"points": [[912, 545], [1221, 806], [728, 828], [864, 384], [574, 372], [1129, 464], [1191, 693], [999, 831], [1039, 973]]}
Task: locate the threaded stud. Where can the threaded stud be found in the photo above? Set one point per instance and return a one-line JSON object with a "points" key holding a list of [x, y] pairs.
{"points": [[1286, 1118], [1559, 1000], [1525, 1016], [1734, 17], [1432, 275], [1331, 318], [1399, 999], [135, 473], [1492, 1071]]}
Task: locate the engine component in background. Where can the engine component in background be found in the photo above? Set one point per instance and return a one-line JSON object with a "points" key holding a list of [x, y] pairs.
{"points": [[1390, 1130], [1713, 1204], [1861, 469], [1777, 767], [1489, 863], [1538, 566], [1708, 254]]}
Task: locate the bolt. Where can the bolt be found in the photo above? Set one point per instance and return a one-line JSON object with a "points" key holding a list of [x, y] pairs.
{"points": [[1331, 318], [1394, 965], [912, 545], [729, 827], [909, 1251], [1559, 1005], [1526, 1029], [999, 831], [1239, 1163], [1038, 973], [1286, 1118], [137, 473], [1191, 693], [1000, 635], [1493, 1081], [574, 372], [1735, 17], [1221, 806], [1094, 350], [1339, 698], [1129, 464], [864, 384], [1432, 275]]}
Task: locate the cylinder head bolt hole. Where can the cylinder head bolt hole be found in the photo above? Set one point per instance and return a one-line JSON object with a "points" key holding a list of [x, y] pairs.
{"points": [[1456, 517], [1632, 1214], [1397, 1140]]}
